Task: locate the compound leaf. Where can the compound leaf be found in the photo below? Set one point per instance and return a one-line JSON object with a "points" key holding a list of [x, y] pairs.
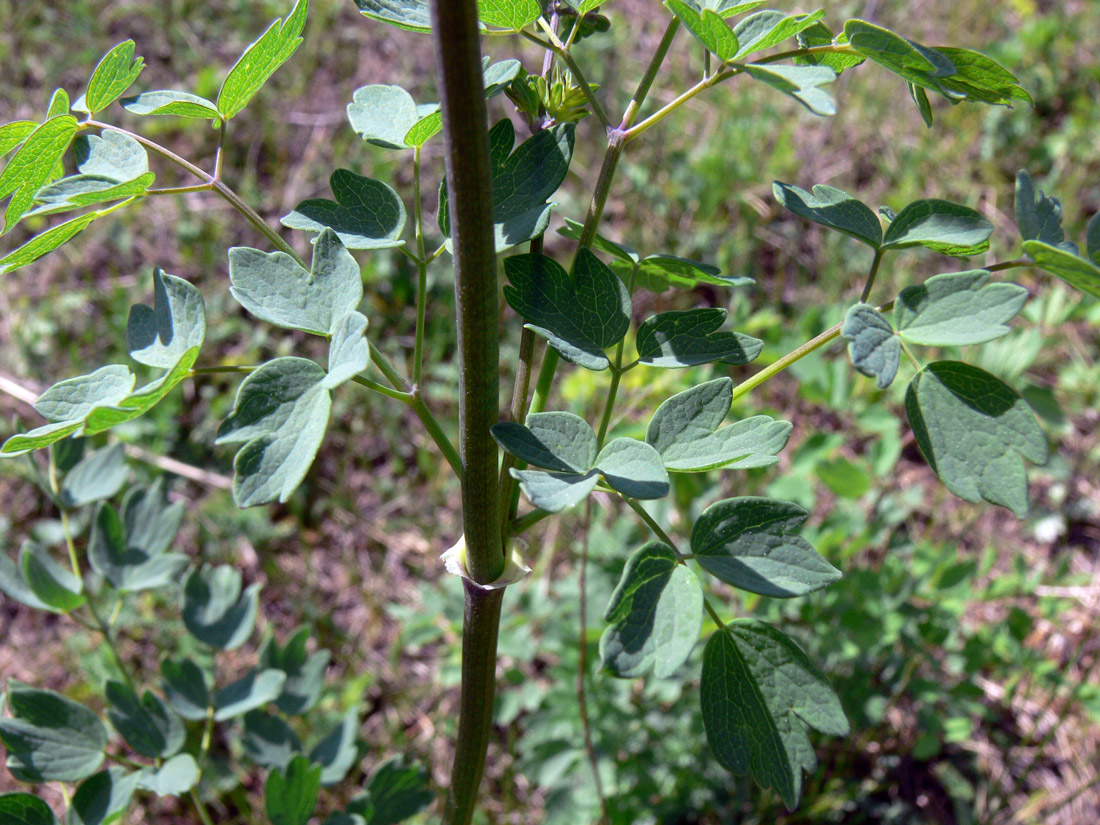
{"points": [[758, 693], [765, 29], [412, 15], [522, 180], [580, 317], [280, 415], [872, 346], [185, 687], [957, 309], [833, 208], [684, 431], [115, 73], [656, 613], [118, 555], [31, 167], [25, 809], [1078, 272], [273, 287], [708, 27], [160, 335], [102, 798], [803, 83], [175, 777], [291, 795], [941, 226], [348, 352], [367, 214], [972, 429], [336, 752], [686, 338], [261, 59], [50, 737], [147, 724], [558, 441], [748, 542], [167, 102], [215, 611], [57, 588], [508, 14], [255, 689]]}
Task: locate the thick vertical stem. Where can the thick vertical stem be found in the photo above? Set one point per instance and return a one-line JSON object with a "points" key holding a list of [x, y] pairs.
{"points": [[469, 189]]}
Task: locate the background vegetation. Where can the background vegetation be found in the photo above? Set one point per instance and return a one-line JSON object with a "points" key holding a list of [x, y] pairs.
{"points": [[962, 642]]}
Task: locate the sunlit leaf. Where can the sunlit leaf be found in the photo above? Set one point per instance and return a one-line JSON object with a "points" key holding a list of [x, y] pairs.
{"points": [[175, 777], [803, 83], [941, 226], [685, 338], [765, 29], [253, 690], [168, 102], [160, 335], [872, 346], [291, 795], [261, 59], [49, 737], [30, 167], [957, 309], [367, 214], [103, 798], [833, 208], [1076, 271], [115, 73]]}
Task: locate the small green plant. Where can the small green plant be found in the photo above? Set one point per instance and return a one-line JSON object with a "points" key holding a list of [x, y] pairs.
{"points": [[759, 692]]}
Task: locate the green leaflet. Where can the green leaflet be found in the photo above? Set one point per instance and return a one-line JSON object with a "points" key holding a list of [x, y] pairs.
{"points": [[820, 34], [30, 168], [803, 83], [215, 611], [280, 415], [941, 226], [304, 672], [412, 15], [833, 208], [872, 346], [151, 523], [336, 752], [1092, 239], [656, 272], [126, 557], [14, 133], [25, 809], [103, 798], [176, 776], [261, 59], [142, 399], [508, 14], [273, 287], [686, 338], [395, 792], [147, 724], [656, 614], [1039, 216], [558, 441], [59, 104], [723, 8], [291, 795], [54, 586], [111, 155], [115, 73], [920, 98], [255, 689], [981, 78], [349, 352], [74, 398], [268, 740], [758, 693], [111, 166], [168, 102], [770, 28], [523, 180], [684, 431], [161, 335], [972, 428], [185, 688], [554, 492], [45, 243], [14, 585], [1078, 272], [957, 309], [49, 737], [747, 542], [99, 475], [387, 116], [367, 214], [708, 27], [580, 316], [633, 468]]}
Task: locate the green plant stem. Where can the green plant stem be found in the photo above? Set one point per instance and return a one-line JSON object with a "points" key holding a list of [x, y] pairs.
{"points": [[655, 118], [998, 267], [389, 370], [178, 190], [526, 521], [646, 83], [200, 807], [421, 272], [397, 395], [582, 665], [435, 430], [871, 275], [616, 376], [810, 346], [457, 46], [808, 52], [562, 51], [213, 182]]}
